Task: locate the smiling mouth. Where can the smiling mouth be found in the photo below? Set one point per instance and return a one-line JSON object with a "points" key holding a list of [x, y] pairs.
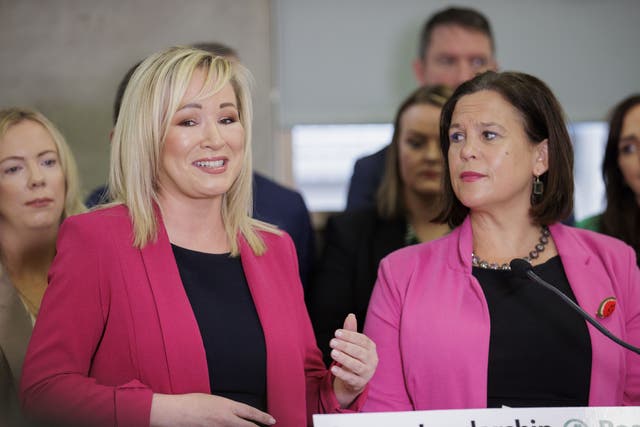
{"points": [[211, 164]]}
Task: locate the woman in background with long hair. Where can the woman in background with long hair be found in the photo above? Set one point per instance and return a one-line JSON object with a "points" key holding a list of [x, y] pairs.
{"points": [[39, 188], [621, 173]]}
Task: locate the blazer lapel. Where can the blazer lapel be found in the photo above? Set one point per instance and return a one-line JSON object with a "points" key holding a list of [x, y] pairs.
{"points": [[583, 275], [265, 278], [590, 284], [184, 350]]}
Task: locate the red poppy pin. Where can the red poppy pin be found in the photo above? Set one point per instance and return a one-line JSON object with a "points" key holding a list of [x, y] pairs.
{"points": [[607, 306]]}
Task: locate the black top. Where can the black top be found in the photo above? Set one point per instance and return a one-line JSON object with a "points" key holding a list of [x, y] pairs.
{"points": [[231, 331], [272, 203], [539, 349], [354, 244]]}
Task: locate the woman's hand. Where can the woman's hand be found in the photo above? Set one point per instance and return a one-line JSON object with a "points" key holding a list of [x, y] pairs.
{"points": [[197, 409], [356, 359]]}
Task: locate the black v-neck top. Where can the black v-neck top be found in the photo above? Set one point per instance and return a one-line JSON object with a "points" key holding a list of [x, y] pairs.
{"points": [[539, 349], [231, 331]]}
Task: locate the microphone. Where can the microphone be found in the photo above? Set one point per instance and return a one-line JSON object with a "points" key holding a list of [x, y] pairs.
{"points": [[523, 269]]}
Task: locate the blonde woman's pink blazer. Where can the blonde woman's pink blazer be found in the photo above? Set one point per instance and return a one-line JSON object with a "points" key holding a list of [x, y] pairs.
{"points": [[116, 326]]}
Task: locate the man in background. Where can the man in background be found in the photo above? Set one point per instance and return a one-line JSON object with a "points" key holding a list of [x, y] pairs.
{"points": [[455, 44]]}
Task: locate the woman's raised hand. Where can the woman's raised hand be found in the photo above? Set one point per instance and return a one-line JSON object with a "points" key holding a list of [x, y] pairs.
{"points": [[356, 360]]}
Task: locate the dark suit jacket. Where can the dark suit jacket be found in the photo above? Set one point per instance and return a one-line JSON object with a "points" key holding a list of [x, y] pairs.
{"points": [[354, 244], [285, 208], [276, 205], [366, 178]]}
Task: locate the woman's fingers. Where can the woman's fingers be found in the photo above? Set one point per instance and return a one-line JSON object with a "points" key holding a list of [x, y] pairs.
{"points": [[350, 323], [351, 379], [204, 410], [354, 344], [250, 413], [353, 337], [356, 358], [356, 355], [349, 363]]}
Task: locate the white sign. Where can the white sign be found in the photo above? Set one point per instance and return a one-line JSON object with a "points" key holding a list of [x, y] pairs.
{"points": [[503, 417]]}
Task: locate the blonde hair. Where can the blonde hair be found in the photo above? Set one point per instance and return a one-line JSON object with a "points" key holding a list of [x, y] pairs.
{"points": [[151, 98], [13, 116]]}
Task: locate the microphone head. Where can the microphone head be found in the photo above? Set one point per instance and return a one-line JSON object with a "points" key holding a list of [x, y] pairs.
{"points": [[520, 266]]}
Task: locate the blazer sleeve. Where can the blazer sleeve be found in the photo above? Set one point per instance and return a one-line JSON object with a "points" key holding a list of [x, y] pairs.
{"points": [[56, 384], [632, 384], [383, 325], [321, 398]]}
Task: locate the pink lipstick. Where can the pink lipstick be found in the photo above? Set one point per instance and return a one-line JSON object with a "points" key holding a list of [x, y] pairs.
{"points": [[470, 176]]}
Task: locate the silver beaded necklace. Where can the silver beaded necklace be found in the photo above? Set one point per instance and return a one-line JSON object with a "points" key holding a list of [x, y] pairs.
{"points": [[535, 253]]}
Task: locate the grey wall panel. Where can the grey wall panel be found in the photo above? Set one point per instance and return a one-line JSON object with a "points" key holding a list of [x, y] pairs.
{"points": [[66, 57], [349, 61]]}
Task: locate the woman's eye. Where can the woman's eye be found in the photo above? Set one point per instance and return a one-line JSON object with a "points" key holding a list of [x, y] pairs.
{"points": [[456, 137], [50, 162], [11, 170], [488, 135], [188, 123], [414, 143], [628, 149], [227, 120]]}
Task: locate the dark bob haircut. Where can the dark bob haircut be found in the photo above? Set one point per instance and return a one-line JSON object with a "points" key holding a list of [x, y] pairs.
{"points": [[542, 118]]}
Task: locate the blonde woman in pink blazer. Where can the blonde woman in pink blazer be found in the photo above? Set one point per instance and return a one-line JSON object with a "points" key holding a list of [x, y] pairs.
{"points": [[171, 306], [454, 326]]}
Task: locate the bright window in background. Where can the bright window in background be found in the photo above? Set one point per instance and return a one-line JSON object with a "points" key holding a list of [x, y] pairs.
{"points": [[323, 158], [589, 141]]}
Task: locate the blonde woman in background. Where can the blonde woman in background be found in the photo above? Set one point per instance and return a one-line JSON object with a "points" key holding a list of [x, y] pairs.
{"points": [[38, 189]]}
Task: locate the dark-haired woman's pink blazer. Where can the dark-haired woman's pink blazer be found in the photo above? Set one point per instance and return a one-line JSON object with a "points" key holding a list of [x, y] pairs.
{"points": [[429, 319], [116, 326]]}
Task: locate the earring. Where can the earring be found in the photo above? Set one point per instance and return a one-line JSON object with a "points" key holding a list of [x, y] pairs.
{"points": [[538, 186]]}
